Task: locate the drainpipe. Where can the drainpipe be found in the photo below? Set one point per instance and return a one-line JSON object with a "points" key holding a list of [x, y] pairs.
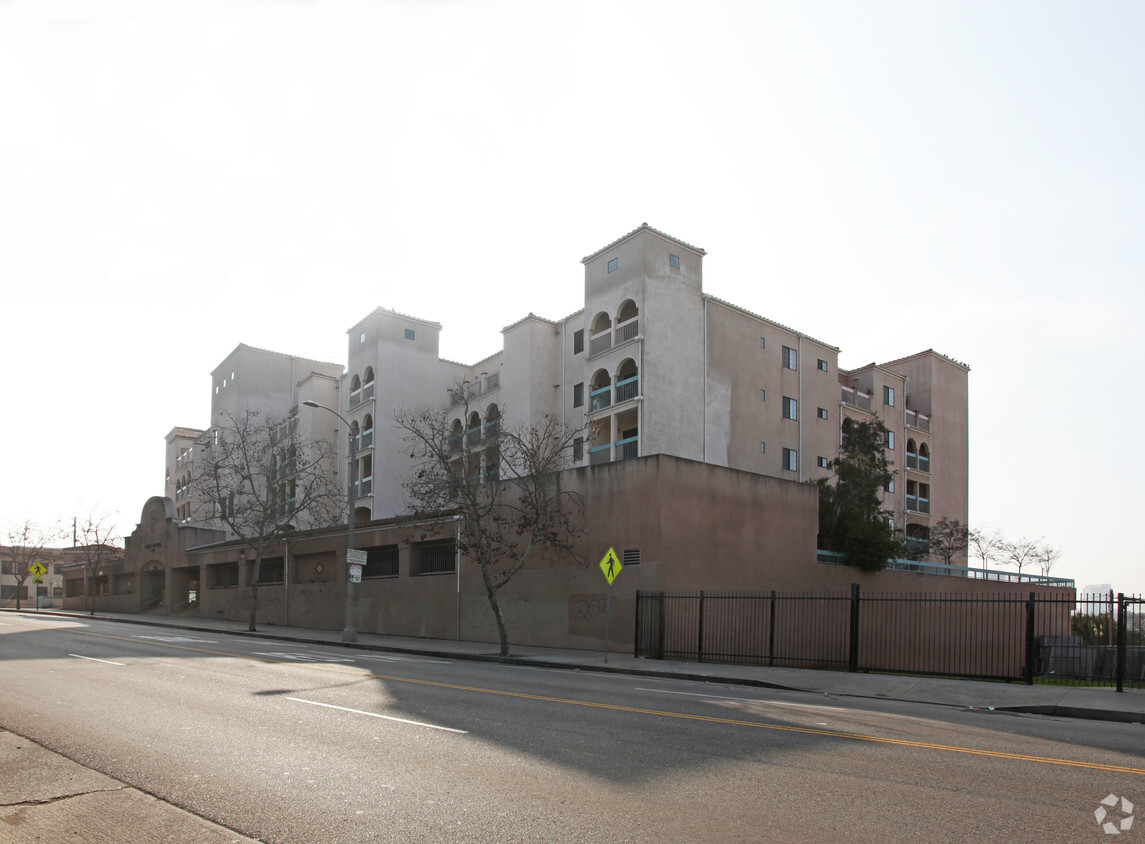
{"points": [[286, 580], [704, 427], [801, 410]]}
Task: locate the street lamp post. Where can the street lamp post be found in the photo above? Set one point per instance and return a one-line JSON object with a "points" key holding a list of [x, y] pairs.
{"points": [[349, 632]]}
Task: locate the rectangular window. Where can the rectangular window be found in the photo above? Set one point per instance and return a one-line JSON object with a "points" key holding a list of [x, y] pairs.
{"points": [[613, 264], [674, 261], [822, 462], [821, 413], [271, 572], [762, 342], [763, 395], [763, 448], [890, 486], [578, 394], [578, 341], [409, 334], [790, 408], [790, 358], [822, 365], [578, 449], [890, 439], [381, 561], [889, 396], [8, 592], [224, 575], [435, 557], [790, 459]]}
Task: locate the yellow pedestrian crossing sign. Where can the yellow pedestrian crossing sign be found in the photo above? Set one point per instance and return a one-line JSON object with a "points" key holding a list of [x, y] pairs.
{"points": [[38, 571], [611, 566]]}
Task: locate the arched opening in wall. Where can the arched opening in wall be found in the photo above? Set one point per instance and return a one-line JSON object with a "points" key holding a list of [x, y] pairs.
{"points": [[369, 379], [627, 381], [456, 432], [600, 435], [362, 516], [600, 338], [627, 322], [367, 432], [600, 391], [911, 454], [473, 430], [924, 458], [355, 384], [368, 384]]}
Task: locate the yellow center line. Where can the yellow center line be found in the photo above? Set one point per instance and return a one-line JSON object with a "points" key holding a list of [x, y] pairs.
{"points": [[615, 707]]}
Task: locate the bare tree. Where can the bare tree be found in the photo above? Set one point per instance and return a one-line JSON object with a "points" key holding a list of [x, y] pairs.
{"points": [[948, 539], [258, 477], [986, 544], [1019, 554], [26, 543], [1046, 556], [101, 544], [504, 485]]}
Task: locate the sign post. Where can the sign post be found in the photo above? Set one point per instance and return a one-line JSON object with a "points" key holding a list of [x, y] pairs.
{"points": [[610, 564], [355, 560]]}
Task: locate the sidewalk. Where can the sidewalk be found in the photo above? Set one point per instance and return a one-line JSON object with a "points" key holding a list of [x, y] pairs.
{"points": [[1094, 702]]}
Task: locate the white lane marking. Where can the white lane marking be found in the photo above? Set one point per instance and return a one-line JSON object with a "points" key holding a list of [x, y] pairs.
{"points": [[748, 700], [176, 639], [93, 659], [303, 657], [376, 715], [405, 659]]}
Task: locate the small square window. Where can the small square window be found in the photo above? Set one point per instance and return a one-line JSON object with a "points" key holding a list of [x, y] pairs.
{"points": [[821, 413], [409, 334], [790, 358], [790, 408], [823, 462], [822, 365], [763, 395], [613, 264], [578, 394], [790, 459], [674, 261], [578, 341], [889, 396]]}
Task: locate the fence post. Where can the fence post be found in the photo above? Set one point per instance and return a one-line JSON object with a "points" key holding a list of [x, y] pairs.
{"points": [[1028, 673], [700, 643], [1121, 637], [771, 634], [853, 645], [636, 635], [663, 613]]}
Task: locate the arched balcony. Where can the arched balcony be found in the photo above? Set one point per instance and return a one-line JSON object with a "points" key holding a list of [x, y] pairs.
{"points": [[600, 338], [600, 392]]}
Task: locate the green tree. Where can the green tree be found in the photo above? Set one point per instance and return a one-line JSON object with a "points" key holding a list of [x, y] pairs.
{"points": [[852, 519]]}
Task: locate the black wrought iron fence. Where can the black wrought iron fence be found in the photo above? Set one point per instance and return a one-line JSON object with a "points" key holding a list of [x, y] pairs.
{"points": [[1098, 639]]}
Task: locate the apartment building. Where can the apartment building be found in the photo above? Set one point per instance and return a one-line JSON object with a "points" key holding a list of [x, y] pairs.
{"points": [[653, 365], [250, 380]]}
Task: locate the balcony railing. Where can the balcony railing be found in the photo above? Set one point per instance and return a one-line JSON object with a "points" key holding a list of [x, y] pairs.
{"points": [[601, 342], [602, 398], [917, 505], [475, 388], [600, 454], [917, 420], [355, 398], [627, 389], [368, 391], [367, 439], [856, 399], [364, 488], [628, 448], [473, 436], [627, 330]]}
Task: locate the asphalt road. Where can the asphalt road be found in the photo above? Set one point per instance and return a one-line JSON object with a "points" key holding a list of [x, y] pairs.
{"points": [[291, 743]]}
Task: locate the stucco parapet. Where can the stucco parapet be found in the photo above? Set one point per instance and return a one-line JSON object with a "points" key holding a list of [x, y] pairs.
{"points": [[380, 311], [179, 431], [932, 353], [244, 347], [643, 227], [529, 317], [881, 367], [754, 315]]}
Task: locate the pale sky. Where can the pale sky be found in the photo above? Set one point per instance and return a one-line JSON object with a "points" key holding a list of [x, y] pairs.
{"points": [[176, 179]]}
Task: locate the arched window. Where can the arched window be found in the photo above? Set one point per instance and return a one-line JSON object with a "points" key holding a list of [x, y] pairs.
{"points": [[369, 375], [473, 429], [355, 384], [924, 457], [627, 322], [627, 381], [456, 431], [600, 393], [911, 454], [492, 421]]}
